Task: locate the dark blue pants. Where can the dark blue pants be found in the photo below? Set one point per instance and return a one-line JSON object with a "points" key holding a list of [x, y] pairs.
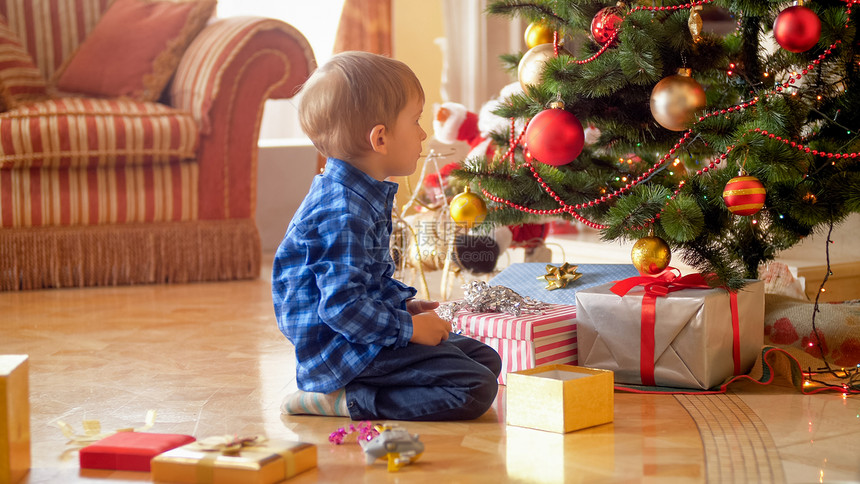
{"points": [[455, 380]]}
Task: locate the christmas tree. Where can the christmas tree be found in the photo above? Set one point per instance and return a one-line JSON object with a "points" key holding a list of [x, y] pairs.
{"points": [[672, 143]]}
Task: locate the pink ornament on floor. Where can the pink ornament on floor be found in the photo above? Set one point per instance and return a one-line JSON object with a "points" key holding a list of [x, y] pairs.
{"points": [[366, 432]]}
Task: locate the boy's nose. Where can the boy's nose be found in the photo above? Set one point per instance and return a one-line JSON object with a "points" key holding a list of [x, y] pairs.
{"points": [[423, 134]]}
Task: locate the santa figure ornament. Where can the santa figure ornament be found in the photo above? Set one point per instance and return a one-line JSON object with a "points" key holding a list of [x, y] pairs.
{"points": [[453, 122]]}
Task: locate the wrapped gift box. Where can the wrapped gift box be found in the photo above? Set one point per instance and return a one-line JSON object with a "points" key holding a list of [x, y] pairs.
{"points": [[694, 341], [129, 451], [14, 418], [264, 463], [523, 278], [560, 398], [526, 341]]}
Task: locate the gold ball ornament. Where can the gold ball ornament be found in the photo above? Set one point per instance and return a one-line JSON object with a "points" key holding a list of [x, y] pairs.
{"points": [[651, 255], [531, 66], [675, 100], [468, 209], [538, 33], [427, 241]]}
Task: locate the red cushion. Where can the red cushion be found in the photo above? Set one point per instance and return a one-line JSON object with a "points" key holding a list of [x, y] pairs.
{"points": [[129, 451], [135, 48]]}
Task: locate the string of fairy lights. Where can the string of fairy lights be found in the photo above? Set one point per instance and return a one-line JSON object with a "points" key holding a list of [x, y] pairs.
{"points": [[851, 376]]}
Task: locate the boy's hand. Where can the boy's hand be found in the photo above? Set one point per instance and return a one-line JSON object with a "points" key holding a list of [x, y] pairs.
{"points": [[418, 306], [429, 329]]}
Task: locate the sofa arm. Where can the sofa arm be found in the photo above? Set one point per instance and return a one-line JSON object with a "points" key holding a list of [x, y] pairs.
{"points": [[225, 43], [223, 80]]}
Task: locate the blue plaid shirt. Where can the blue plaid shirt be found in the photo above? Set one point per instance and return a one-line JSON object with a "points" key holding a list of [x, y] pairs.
{"points": [[332, 288]]}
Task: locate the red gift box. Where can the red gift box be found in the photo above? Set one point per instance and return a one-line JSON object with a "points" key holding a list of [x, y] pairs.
{"points": [[526, 341], [129, 451]]}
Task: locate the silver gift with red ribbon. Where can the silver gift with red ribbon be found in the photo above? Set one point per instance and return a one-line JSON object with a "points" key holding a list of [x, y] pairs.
{"points": [[670, 331]]}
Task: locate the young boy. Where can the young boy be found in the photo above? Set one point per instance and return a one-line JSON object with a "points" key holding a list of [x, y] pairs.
{"points": [[365, 348]]}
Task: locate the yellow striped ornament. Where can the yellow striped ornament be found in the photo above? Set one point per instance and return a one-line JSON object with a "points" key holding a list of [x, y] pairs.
{"points": [[744, 195]]}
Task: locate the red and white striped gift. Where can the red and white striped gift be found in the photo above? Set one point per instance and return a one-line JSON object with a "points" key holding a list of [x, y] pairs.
{"points": [[527, 341]]}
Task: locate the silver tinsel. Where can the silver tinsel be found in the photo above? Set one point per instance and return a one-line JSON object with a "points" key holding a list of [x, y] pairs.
{"points": [[483, 298]]}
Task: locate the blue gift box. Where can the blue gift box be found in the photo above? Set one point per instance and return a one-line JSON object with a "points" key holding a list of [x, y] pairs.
{"points": [[523, 278]]}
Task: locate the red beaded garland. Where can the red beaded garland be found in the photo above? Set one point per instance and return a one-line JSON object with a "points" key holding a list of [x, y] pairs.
{"points": [[609, 42]]}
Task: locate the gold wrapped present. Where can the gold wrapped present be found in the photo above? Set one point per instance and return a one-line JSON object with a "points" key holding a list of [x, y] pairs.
{"points": [[560, 398], [14, 418], [230, 460]]}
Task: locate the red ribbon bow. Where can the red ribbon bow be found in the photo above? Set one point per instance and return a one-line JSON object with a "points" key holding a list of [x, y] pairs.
{"points": [[660, 286]]}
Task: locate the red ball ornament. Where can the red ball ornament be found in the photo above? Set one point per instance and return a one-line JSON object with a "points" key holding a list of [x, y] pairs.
{"points": [[744, 195], [555, 137], [605, 24], [797, 29]]}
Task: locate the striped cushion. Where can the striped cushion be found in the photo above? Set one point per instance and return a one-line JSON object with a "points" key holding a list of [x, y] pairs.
{"points": [[20, 79], [34, 197], [80, 132], [51, 30]]}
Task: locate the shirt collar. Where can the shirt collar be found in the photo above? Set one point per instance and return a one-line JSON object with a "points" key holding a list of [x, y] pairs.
{"points": [[361, 183]]}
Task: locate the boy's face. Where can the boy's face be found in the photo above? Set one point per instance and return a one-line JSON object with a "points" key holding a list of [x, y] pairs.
{"points": [[404, 144]]}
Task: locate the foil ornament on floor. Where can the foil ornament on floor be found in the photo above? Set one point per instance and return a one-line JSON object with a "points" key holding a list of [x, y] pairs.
{"points": [[482, 298]]}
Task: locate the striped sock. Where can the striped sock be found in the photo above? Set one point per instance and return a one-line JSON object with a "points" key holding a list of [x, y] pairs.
{"points": [[311, 403]]}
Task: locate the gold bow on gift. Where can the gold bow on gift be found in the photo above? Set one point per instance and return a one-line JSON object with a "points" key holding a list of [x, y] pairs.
{"points": [[559, 277], [231, 445], [227, 444]]}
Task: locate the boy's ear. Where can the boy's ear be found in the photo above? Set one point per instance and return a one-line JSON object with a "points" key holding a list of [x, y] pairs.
{"points": [[377, 139]]}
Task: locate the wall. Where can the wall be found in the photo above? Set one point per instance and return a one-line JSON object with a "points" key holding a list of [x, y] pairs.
{"points": [[285, 169], [415, 30], [286, 166]]}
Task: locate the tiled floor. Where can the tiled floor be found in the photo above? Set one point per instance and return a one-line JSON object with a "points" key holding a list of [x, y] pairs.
{"points": [[211, 360]]}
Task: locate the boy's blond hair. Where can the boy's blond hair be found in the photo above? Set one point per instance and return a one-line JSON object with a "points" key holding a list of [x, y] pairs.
{"points": [[350, 94]]}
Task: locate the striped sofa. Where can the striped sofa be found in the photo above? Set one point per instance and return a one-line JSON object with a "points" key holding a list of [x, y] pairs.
{"points": [[113, 191]]}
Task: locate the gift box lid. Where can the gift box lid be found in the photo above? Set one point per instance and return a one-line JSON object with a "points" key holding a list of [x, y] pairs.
{"points": [[555, 320], [130, 451], [523, 278]]}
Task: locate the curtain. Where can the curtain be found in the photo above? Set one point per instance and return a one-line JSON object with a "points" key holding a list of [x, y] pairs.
{"points": [[364, 25], [473, 43]]}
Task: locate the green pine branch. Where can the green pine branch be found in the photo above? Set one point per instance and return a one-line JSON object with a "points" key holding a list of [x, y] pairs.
{"points": [[804, 191]]}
